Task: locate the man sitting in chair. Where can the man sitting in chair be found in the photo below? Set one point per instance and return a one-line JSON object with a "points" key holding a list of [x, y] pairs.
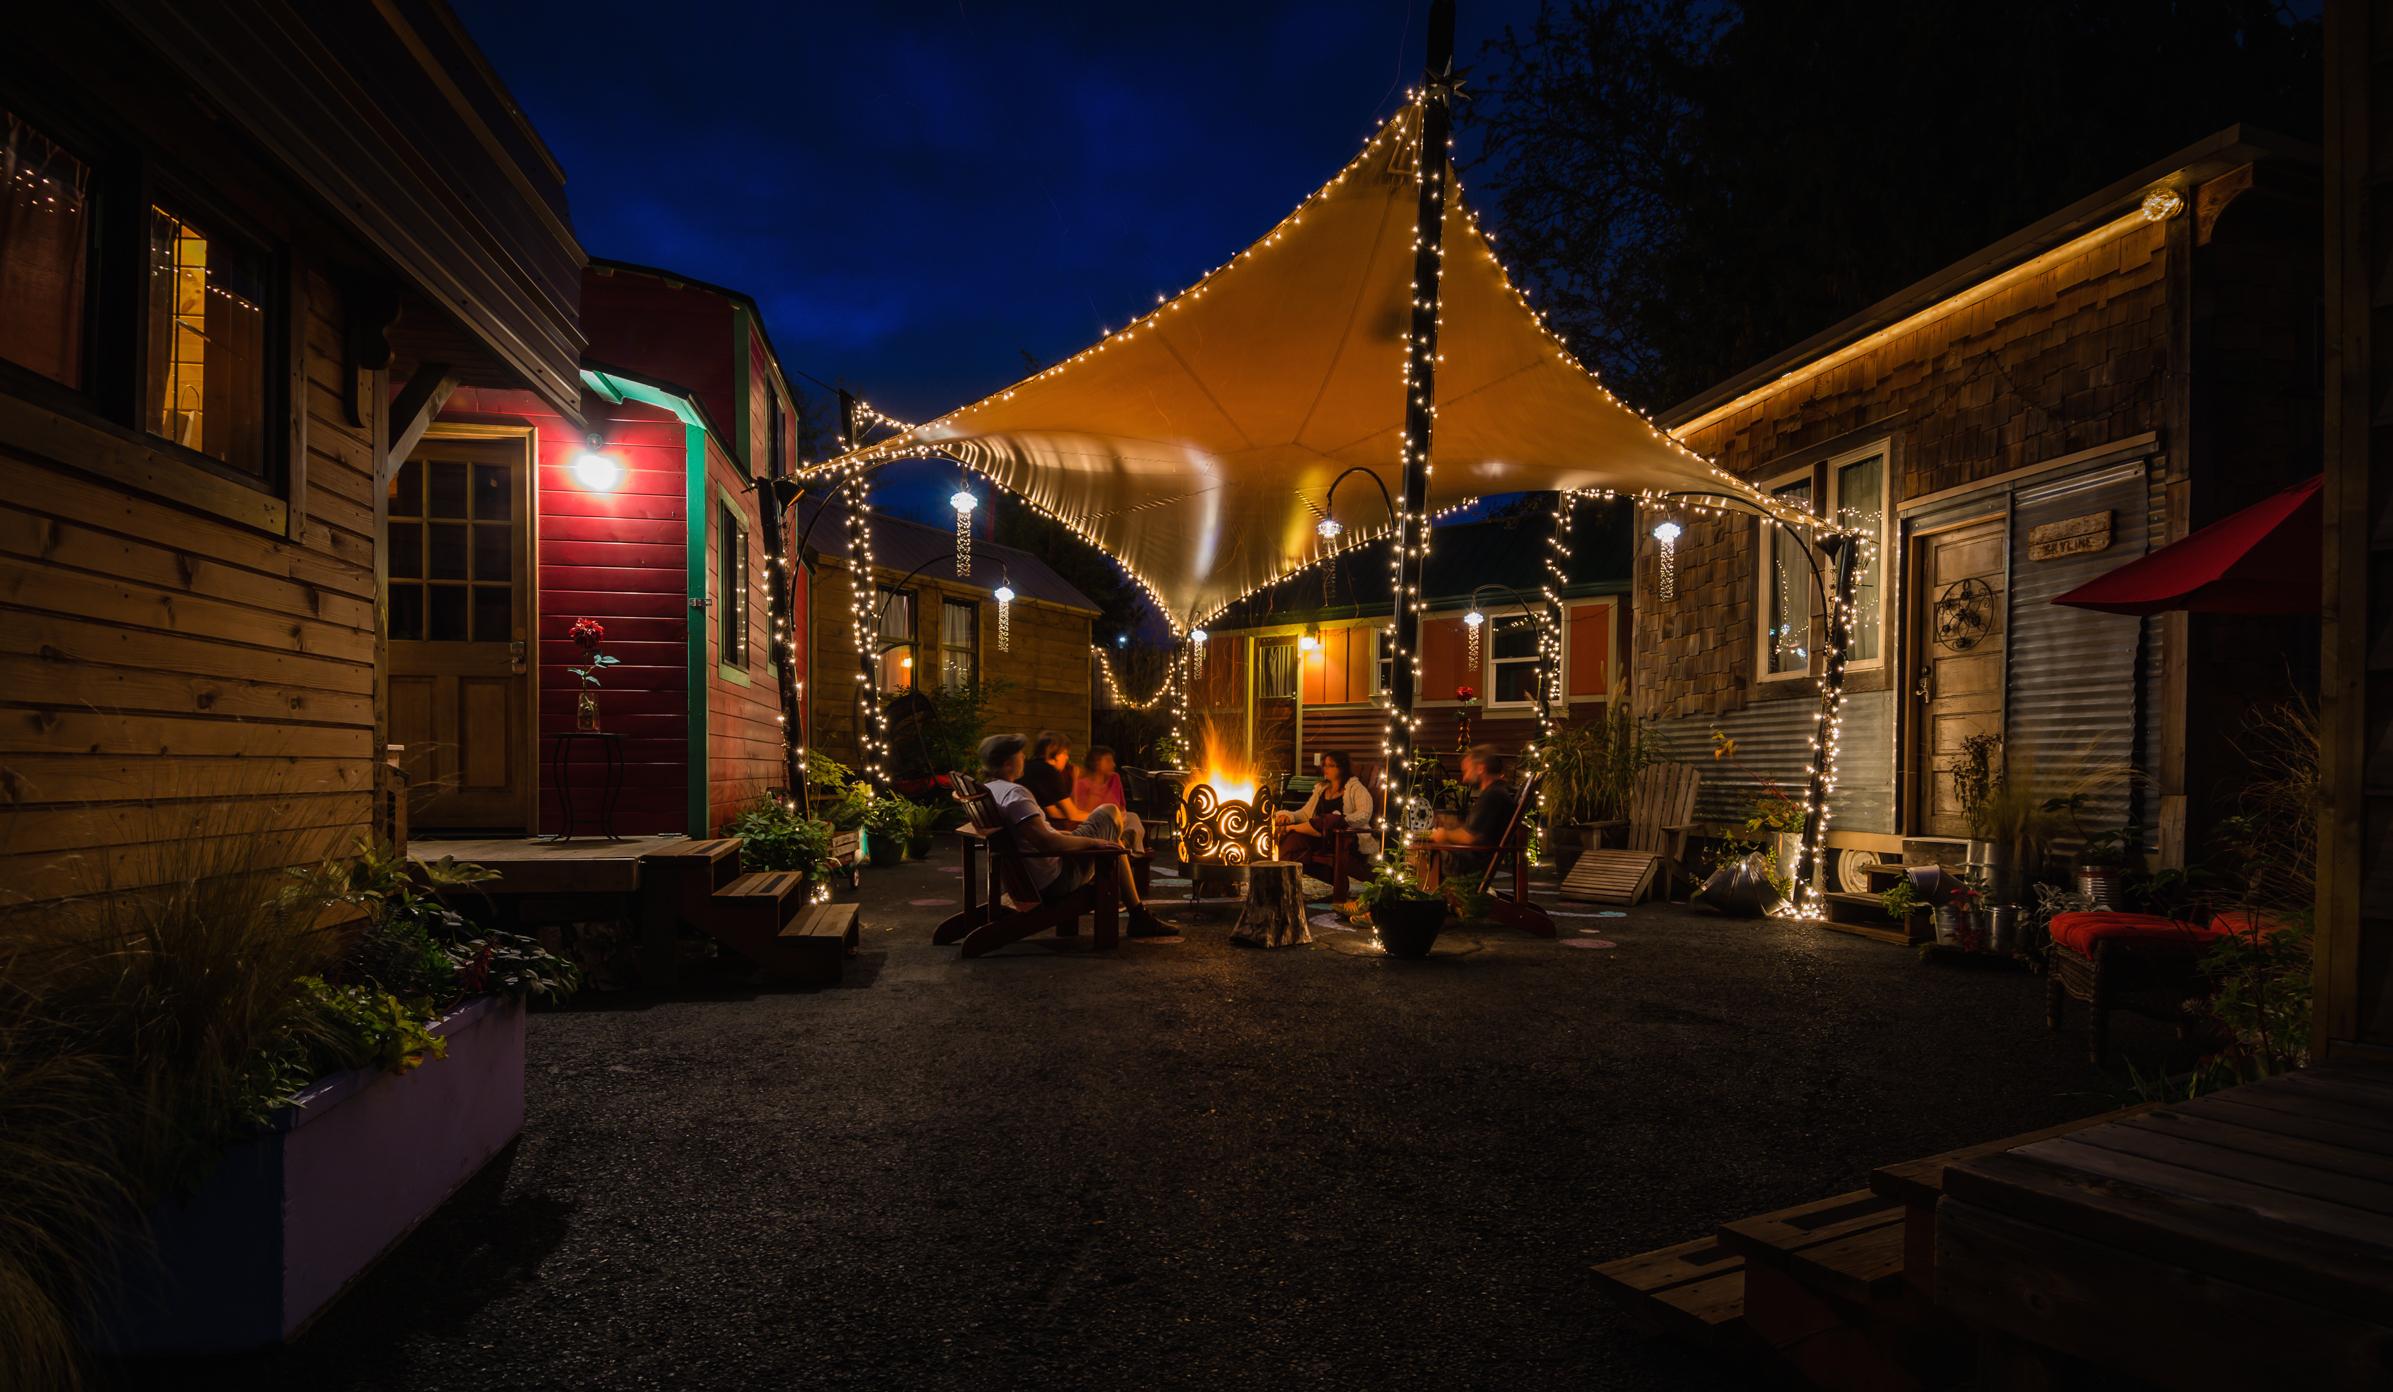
{"points": [[1040, 840], [1490, 816]]}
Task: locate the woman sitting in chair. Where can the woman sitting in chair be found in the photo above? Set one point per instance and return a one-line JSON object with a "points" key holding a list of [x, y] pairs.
{"points": [[1339, 799]]}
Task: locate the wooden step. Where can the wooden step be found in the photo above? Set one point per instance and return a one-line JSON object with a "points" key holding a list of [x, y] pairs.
{"points": [[1695, 1290], [1849, 1246], [815, 946], [712, 862]]}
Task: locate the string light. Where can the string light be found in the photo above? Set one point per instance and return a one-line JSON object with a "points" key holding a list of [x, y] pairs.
{"points": [[1196, 653], [1113, 685], [1005, 618], [1471, 624], [872, 734]]}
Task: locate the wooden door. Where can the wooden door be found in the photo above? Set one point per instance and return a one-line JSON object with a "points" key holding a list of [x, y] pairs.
{"points": [[1955, 648], [461, 606]]}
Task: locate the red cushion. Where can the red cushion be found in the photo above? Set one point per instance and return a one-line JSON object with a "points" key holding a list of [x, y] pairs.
{"points": [[2249, 924], [2080, 931]]}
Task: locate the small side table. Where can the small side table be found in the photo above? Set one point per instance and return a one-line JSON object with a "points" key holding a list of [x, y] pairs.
{"points": [[560, 768]]}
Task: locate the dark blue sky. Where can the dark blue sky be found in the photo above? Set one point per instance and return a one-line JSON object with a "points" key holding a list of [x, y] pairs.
{"points": [[918, 195]]}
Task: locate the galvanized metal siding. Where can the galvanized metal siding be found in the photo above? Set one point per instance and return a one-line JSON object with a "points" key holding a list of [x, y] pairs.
{"points": [[1774, 742], [2070, 721]]}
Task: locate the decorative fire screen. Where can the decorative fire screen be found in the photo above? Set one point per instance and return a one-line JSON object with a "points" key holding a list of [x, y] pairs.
{"points": [[1218, 832]]}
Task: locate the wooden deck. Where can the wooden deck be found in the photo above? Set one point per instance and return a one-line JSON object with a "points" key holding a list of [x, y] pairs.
{"points": [[532, 865]]}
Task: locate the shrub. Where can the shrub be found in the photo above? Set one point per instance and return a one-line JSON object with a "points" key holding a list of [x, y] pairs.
{"points": [[773, 836]]}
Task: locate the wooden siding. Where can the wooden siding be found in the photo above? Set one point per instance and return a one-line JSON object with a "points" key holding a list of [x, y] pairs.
{"points": [[161, 665], [743, 732], [1045, 677], [617, 557]]}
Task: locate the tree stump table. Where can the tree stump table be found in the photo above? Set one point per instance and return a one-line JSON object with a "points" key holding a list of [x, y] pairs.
{"points": [[1274, 915]]}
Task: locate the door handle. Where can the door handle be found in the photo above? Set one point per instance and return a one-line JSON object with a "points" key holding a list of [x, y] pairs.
{"points": [[1926, 689], [515, 656]]}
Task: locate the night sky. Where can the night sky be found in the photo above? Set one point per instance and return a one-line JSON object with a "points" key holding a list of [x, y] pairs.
{"points": [[919, 196]]}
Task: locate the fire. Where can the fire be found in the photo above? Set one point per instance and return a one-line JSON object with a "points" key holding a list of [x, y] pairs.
{"points": [[1233, 779]]}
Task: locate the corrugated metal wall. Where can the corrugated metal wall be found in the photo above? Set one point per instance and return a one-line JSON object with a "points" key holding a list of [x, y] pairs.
{"points": [[1774, 742], [2071, 721]]}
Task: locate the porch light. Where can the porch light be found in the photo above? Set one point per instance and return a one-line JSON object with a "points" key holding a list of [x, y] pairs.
{"points": [[2161, 204], [1667, 533], [1309, 641], [1329, 528], [596, 470]]}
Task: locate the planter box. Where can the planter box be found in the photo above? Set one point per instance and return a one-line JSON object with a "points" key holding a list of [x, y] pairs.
{"points": [[297, 1212]]}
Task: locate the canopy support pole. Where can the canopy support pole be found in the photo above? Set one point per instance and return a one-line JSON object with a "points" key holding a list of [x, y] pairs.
{"points": [[1410, 550], [863, 614], [1827, 725]]}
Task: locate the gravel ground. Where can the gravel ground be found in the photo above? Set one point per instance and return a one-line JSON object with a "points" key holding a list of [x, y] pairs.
{"points": [[1181, 1164]]}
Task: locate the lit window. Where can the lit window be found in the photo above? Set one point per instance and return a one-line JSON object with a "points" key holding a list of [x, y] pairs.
{"points": [[1385, 647], [731, 588], [1512, 663], [1275, 671], [206, 379], [959, 643], [1860, 501], [45, 252], [896, 671], [1786, 589]]}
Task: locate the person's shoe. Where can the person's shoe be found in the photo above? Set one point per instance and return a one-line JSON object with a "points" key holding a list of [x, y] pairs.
{"points": [[1146, 925]]}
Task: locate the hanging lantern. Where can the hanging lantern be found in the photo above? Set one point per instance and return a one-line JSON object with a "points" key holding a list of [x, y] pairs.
{"points": [[1667, 534], [1005, 618], [1196, 655], [1472, 623], [963, 502]]}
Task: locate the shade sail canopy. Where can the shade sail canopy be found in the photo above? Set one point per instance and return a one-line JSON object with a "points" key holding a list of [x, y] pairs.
{"points": [[2262, 560], [1198, 444]]}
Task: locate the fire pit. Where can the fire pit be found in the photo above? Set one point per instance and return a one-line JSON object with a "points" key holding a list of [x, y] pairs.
{"points": [[1223, 821]]}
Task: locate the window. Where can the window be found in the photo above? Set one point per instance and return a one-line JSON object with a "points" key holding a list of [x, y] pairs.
{"points": [[1511, 662], [731, 587], [1275, 671], [959, 643], [896, 672], [1786, 598], [206, 343], [1857, 498], [1384, 647], [45, 252], [452, 552]]}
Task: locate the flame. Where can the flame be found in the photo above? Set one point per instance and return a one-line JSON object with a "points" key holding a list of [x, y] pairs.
{"points": [[1233, 779]]}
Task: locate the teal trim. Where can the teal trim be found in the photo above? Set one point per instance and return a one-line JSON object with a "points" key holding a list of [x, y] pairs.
{"points": [[694, 445], [619, 389]]}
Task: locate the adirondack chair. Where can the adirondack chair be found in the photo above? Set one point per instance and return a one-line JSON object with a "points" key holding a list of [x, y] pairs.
{"points": [[983, 927], [1661, 813], [1337, 856], [1514, 911]]}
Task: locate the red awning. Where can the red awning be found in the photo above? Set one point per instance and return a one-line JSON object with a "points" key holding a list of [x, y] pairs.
{"points": [[2262, 560]]}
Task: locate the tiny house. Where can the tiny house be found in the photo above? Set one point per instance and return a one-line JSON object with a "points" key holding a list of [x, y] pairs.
{"points": [[1299, 668], [237, 246], [645, 517]]}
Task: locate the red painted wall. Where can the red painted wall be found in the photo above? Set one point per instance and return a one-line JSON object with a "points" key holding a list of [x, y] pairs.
{"points": [[743, 733], [678, 333]]}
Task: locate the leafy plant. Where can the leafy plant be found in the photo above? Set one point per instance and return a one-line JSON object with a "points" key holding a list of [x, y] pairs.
{"points": [[1976, 776], [773, 836], [2109, 849], [1591, 769], [922, 820], [1773, 809], [890, 817], [1393, 884], [1901, 901], [947, 732]]}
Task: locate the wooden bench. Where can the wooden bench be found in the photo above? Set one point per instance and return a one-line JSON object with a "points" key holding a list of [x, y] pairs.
{"points": [[984, 926]]}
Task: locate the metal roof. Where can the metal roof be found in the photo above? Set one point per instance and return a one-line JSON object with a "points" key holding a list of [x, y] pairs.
{"points": [[901, 546]]}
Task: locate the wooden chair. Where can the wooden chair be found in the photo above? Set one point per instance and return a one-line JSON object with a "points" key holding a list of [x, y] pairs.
{"points": [[1515, 911], [983, 927], [1661, 814]]}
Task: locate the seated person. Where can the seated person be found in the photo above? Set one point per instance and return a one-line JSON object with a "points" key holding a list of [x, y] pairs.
{"points": [[1484, 825], [1339, 799], [1049, 778], [1001, 768], [1100, 783]]}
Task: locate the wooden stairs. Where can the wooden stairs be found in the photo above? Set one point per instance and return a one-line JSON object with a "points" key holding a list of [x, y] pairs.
{"points": [[1839, 1292], [766, 917]]}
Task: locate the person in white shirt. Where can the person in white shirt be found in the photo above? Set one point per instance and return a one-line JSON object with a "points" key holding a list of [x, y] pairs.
{"points": [[1339, 795], [1041, 841]]}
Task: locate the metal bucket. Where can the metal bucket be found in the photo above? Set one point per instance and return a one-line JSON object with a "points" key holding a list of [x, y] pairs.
{"points": [[2099, 884], [2002, 929]]}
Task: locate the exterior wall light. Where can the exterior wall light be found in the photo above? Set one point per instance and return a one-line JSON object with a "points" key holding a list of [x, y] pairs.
{"points": [[963, 502], [1309, 641], [597, 470], [1472, 623], [2161, 204], [1667, 533], [1005, 618], [1329, 528]]}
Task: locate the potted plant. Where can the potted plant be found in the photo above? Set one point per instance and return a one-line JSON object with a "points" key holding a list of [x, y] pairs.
{"points": [[887, 824], [2102, 865], [1902, 901], [773, 836], [587, 634], [1406, 917], [1773, 813], [922, 819]]}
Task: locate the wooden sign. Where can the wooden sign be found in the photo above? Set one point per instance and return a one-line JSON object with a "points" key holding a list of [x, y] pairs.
{"points": [[2071, 536]]}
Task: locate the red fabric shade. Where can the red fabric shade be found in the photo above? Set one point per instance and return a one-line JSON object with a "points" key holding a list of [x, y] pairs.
{"points": [[2262, 560]]}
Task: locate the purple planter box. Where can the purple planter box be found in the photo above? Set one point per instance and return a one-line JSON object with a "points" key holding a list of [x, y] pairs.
{"points": [[296, 1213]]}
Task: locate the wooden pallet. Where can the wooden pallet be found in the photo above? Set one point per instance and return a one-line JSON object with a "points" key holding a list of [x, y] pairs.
{"points": [[1695, 1290], [1612, 877], [1864, 916]]}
